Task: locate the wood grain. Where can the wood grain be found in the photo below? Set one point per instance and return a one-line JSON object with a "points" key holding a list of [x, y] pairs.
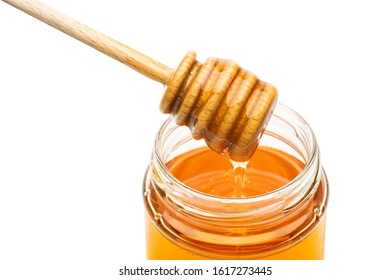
{"points": [[103, 43]]}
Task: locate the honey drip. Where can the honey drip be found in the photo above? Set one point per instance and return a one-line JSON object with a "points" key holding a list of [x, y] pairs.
{"points": [[239, 178]]}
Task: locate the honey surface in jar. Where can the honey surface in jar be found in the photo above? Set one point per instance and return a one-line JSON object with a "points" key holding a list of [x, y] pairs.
{"points": [[210, 173]]}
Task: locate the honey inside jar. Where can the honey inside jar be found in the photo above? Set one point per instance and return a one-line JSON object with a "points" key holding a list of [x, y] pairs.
{"points": [[194, 210]]}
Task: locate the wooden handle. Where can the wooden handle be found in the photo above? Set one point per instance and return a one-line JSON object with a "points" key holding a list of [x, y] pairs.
{"points": [[114, 49]]}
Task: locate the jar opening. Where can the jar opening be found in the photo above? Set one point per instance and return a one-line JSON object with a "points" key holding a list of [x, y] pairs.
{"points": [[287, 131]]}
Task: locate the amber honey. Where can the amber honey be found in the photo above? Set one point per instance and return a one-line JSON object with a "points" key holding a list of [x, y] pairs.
{"points": [[195, 211]]}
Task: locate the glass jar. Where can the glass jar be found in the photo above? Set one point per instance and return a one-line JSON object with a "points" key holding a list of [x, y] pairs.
{"points": [[285, 223]]}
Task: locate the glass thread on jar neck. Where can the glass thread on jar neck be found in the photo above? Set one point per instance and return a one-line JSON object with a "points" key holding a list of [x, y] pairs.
{"points": [[304, 145]]}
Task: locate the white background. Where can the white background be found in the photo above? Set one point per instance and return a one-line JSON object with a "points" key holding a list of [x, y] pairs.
{"points": [[77, 128]]}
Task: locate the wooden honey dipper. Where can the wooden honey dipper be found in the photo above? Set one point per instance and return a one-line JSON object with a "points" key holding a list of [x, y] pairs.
{"points": [[220, 102]]}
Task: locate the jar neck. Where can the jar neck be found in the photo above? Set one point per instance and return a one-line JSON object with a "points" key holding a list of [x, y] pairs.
{"points": [[286, 129]]}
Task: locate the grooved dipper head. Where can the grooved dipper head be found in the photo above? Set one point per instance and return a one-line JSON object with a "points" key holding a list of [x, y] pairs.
{"points": [[220, 102]]}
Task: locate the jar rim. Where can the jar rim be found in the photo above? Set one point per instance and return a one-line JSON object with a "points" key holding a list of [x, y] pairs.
{"points": [[311, 164]]}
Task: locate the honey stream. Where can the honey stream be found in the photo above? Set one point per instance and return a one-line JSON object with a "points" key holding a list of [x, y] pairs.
{"points": [[239, 177]]}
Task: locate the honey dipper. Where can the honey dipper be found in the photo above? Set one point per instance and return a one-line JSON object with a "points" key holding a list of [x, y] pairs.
{"points": [[220, 102]]}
